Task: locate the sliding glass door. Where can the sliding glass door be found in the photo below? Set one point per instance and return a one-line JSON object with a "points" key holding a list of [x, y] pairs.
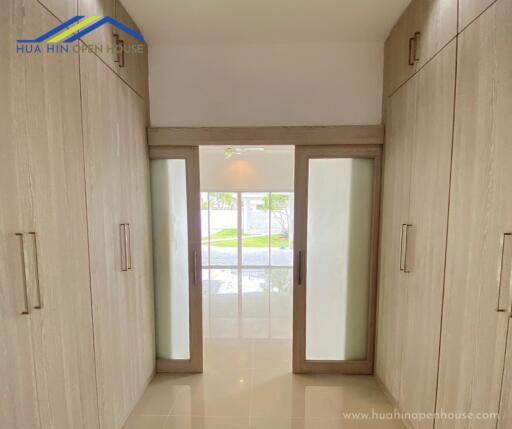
{"points": [[177, 258], [336, 210]]}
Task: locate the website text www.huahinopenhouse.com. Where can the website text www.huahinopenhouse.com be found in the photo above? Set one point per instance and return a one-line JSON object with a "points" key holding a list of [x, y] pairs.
{"points": [[418, 416]]}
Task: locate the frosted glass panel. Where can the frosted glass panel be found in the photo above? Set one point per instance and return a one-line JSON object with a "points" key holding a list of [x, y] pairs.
{"points": [[338, 258], [171, 269]]}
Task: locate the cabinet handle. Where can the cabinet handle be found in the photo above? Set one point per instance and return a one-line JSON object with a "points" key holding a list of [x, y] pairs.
{"points": [[505, 275], [122, 235], [119, 50], [128, 244], [404, 247], [24, 272], [413, 48], [194, 267], [39, 305], [401, 246], [412, 42], [299, 267]]}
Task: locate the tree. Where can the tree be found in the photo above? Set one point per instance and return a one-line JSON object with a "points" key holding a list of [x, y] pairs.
{"points": [[281, 210], [222, 200]]}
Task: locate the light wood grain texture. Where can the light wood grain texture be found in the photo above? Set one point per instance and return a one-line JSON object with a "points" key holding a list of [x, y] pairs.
{"points": [[436, 20], [505, 418], [62, 9], [392, 287], [434, 23], [116, 169], [426, 239], [104, 35], [135, 70], [17, 372], [471, 9], [191, 157], [350, 135], [302, 156], [474, 333], [63, 334]]}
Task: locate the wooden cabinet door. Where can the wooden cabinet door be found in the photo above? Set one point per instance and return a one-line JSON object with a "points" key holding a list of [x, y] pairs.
{"points": [[134, 70], [142, 312], [397, 65], [63, 333], [395, 207], [62, 9], [505, 418], [436, 22], [18, 393], [105, 160], [426, 238], [470, 9], [474, 331]]}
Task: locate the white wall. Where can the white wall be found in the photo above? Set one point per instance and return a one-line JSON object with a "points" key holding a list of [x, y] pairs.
{"points": [[266, 84], [271, 170]]}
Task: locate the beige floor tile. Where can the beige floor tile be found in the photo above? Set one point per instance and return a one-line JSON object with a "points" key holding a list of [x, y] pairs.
{"points": [[282, 423], [214, 395], [189, 422], [159, 397], [285, 395], [226, 355], [145, 422], [272, 353]]}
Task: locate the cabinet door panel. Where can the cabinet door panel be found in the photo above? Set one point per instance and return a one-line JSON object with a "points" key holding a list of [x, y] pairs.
{"points": [[135, 70], [474, 333], [395, 206], [437, 24], [18, 406], [470, 9], [430, 183]]}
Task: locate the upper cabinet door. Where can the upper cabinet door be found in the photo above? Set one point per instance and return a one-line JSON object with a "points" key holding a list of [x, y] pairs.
{"points": [[436, 23], [470, 9], [18, 406], [476, 308], [102, 37], [426, 232], [424, 29], [62, 9], [132, 66]]}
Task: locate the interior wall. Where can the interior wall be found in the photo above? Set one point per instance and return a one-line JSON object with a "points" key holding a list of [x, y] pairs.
{"points": [[268, 170], [266, 84]]}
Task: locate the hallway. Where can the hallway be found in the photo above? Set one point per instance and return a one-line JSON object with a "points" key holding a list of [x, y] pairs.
{"points": [[247, 380]]}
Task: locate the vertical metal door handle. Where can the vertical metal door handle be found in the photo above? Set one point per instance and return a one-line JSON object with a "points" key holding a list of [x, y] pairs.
{"points": [[406, 242], [122, 235], [194, 266], [299, 268], [24, 272], [401, 247], [39, 305], [416, 43], [128, 244], [505, 275], [412, 41]]}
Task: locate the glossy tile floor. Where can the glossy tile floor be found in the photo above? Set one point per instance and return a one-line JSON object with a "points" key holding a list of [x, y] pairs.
{"points": [[247, 380]]}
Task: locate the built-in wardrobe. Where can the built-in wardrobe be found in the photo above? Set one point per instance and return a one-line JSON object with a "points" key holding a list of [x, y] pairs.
{"points": [[76, 305], [445, 297]]}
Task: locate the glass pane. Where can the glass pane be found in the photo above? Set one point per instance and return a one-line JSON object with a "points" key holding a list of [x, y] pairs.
{"points": [[205, 228], [255, 228], [281, 302], [255, 304], [338, 258], [222, 309], [170, 242], [282, 229], [223, 228]]}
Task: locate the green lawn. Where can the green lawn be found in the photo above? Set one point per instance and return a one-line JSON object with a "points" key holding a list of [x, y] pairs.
{"points": [[247, 240]]}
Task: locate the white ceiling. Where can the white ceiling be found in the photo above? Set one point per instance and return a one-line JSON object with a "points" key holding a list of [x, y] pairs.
{"points": [[264, 21]]}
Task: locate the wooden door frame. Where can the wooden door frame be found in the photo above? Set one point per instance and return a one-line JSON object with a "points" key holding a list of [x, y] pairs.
{"points": [[195, 363], [302, 156]]}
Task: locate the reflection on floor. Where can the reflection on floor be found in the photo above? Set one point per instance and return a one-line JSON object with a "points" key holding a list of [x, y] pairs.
{"points": [[247, 380]]}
